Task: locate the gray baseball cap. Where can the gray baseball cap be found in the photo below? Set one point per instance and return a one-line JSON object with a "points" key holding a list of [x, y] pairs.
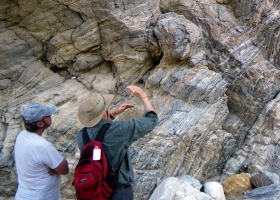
{"points": [[36, 111]]}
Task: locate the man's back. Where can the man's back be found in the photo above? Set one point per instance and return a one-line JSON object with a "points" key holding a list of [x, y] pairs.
{"points": [[94, 112], [117, 140]]}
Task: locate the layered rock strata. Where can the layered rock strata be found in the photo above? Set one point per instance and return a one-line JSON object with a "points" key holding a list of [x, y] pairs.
{"points": [[210, 67]]}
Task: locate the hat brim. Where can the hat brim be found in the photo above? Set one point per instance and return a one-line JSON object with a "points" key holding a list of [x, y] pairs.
{"points": [[90, 123], [49, 110]]}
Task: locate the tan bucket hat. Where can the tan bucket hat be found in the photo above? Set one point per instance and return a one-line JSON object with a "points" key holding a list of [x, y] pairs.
{"points": [[93, 108]]}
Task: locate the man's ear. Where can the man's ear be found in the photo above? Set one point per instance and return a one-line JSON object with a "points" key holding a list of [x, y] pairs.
{"points": [[40, 124], [106, 114]]}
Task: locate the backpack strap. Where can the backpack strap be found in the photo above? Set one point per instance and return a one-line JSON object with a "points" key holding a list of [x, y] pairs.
{"points": [[100, 136], [102, 132], [85, 136]]}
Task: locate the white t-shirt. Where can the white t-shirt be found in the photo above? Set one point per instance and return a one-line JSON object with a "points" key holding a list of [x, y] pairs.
{"points": [[34, 156]]}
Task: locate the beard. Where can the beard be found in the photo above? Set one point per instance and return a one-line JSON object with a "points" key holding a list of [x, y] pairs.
{"points": [[46, 125]]}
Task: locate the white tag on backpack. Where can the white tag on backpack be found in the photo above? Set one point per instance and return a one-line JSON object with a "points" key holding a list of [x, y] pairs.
{"points": [[96, 153]]}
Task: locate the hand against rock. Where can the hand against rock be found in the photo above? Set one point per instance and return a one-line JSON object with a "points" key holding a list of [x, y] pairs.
{"points": [[52, 172], [123, 107], [144, 97], [137, 91]]}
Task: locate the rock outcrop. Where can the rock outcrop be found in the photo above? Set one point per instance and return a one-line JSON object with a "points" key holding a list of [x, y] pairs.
{"points": [[211, 68], [235, 186]]}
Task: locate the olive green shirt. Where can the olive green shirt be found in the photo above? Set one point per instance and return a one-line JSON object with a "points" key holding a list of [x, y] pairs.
{"points": [[118, 138]]}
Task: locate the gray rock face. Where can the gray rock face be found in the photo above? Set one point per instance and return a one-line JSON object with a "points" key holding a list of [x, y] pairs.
{"points": [[177, 36], [260, 180], [211, 69], [273, 177], [271, 192]]}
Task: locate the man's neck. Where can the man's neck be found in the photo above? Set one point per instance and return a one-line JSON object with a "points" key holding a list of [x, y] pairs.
{"points": [[39, 132]]}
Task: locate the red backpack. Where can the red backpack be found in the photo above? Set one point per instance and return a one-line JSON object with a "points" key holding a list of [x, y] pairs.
{"points": [[92, 180]]}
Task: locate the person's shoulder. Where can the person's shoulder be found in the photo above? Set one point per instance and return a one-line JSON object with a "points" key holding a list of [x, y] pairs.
{"points": [[98, 126], [79, 135], [44, 142], [80, 131], [39, 142], [120, 125], [21, 134]]}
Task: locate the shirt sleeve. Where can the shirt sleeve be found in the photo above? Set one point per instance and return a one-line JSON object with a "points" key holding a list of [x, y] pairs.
{"points": [[51, 157], [128, 131]]}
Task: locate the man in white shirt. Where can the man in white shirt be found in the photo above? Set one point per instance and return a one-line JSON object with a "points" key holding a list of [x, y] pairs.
{"points": [[38, 163]]}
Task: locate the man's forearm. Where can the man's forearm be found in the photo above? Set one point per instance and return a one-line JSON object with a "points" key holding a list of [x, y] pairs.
{"points": [[147, 104]]}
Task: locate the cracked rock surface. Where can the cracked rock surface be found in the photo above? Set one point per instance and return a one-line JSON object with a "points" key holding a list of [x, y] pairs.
{"points": [[211, 69]]}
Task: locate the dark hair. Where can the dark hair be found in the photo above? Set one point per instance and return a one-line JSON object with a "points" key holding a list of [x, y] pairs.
{"points": [[31, 127]]}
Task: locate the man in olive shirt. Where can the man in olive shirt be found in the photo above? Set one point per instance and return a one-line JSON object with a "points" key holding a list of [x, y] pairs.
{"points": [[93, 113]]}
